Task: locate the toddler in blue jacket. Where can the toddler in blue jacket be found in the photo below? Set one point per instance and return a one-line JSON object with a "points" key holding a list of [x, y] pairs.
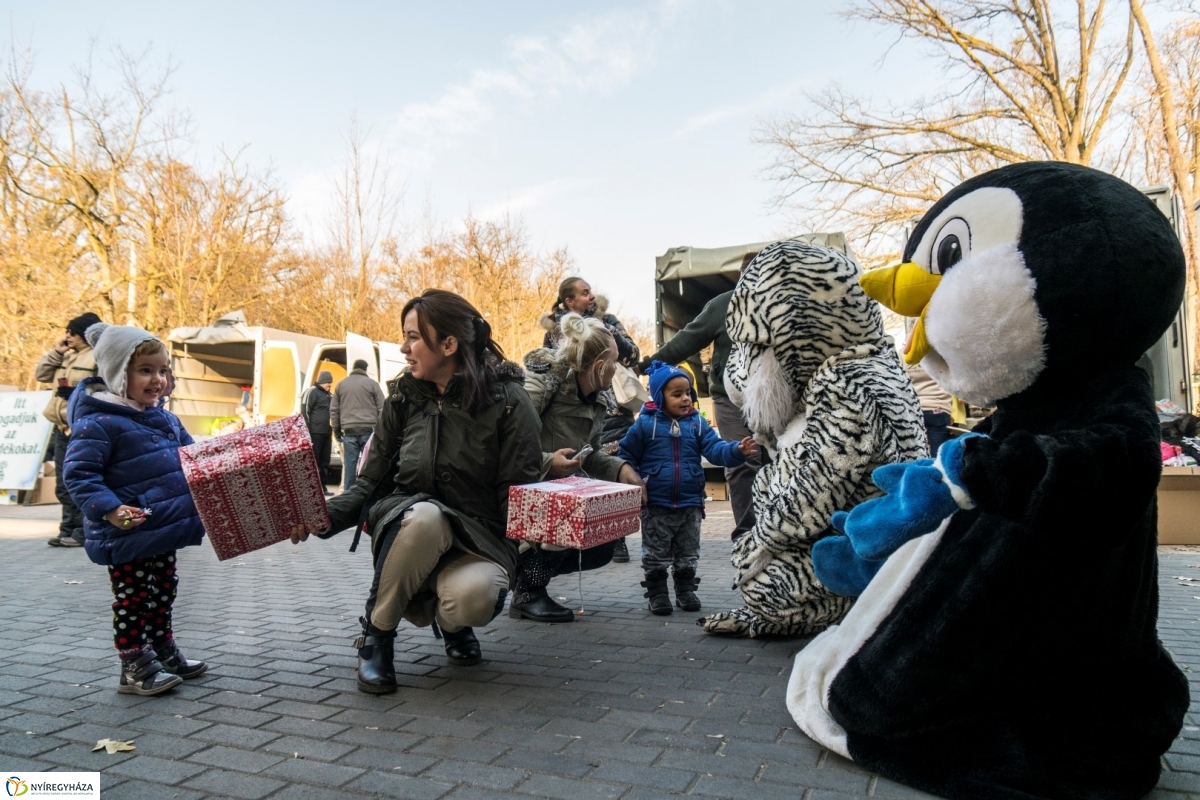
{"points": [[665, 446], [122, 470]]}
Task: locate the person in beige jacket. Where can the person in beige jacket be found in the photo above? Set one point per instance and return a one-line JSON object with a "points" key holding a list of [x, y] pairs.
{"points": [[69, 362]]}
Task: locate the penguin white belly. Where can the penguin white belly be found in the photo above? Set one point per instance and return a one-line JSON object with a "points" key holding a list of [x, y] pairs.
{"points": [[818, 664]]}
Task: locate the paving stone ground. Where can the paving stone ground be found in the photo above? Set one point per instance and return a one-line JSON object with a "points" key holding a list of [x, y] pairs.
{"points": [[618, 704]]}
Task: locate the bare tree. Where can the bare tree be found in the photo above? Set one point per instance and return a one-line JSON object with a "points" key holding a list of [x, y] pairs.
{"points": [[1028, 81], [207, 244], [491, 264], [338, 283], [1173, 101], [90, 147]]}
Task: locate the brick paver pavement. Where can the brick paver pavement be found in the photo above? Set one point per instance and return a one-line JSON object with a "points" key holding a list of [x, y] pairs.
{"points": [[618, 704]]}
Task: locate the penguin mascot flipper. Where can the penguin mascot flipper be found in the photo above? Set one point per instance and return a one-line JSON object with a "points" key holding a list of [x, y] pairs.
{"points": [[823, 389], [1012, 652]]}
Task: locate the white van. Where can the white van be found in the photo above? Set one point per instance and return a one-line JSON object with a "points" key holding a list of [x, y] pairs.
{"points": [[230, 365]]}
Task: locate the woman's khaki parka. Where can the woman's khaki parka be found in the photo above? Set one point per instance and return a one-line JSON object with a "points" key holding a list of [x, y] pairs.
{"points": [[460, 462], [568, 418]]}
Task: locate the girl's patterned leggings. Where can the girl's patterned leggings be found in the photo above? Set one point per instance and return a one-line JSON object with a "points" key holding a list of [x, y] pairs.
{"points": [[143, 592]]}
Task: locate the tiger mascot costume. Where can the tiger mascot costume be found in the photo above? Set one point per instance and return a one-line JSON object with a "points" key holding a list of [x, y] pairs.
{"points": [[823, 390]]}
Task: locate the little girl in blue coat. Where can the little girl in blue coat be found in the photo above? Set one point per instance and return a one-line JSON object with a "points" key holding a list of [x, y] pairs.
{"points": [[122, 470], [665, 446]]}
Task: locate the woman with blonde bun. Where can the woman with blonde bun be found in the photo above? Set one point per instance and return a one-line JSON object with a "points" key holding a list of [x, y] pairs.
{"points": [[565, 386]]}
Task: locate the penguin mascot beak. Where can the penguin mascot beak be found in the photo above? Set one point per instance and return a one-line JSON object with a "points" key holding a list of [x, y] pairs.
{"points": [[906, 289]]}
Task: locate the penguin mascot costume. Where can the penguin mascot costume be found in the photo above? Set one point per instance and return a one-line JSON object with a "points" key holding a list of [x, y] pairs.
{"points": [[1004, 641]]}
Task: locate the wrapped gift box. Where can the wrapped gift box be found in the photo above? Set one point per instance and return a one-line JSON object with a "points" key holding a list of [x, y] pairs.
{"points": [[251, 487], [573, 512]]}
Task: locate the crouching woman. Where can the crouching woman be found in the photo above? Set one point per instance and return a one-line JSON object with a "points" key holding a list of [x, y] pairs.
{"points": [[455, 433], [564, 386]]}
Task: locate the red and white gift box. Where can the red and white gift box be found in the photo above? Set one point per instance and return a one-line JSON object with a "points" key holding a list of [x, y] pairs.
{"points": [[573, 512], [251, 487]]}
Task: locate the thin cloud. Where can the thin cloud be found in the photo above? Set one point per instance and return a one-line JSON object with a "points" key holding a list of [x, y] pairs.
{"points": [[525, 199], [753, 106], [600, 54]]}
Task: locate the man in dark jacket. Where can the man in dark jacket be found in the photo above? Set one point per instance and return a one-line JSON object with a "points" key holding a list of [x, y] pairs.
{"points": [[353, 413], [709, 328], [68, 363], [316, 415]]}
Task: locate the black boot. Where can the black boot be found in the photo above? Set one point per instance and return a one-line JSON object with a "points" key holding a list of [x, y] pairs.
{"points": [[529, 596], [537, 605], [656, 591], [462, 648], [146, 676], [173, 661], [685, 589], [621, 552], [376, 670]]}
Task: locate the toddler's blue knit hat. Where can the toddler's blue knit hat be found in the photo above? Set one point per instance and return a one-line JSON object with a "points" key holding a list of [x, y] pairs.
{"points": [[660, 374]]}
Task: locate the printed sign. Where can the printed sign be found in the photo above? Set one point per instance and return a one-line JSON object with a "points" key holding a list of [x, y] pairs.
{"points": [[35, 785], [24, 433]]}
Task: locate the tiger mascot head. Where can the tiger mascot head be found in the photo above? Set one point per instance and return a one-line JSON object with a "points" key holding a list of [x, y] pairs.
{"points": [[795, 306]]}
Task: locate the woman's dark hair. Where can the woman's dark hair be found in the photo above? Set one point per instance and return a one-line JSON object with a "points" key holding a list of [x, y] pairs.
{"points": [[566, 291], [478, 356]]}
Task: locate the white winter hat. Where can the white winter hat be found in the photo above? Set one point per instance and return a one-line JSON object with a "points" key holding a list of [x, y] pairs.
{"points": [[112, 347]]}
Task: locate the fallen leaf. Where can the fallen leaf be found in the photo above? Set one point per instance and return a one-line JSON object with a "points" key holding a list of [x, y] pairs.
{"points": [[72, 583], [113, 746]]}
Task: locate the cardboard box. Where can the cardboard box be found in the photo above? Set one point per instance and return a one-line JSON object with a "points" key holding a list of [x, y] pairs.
{"points": [[705, 407], [573, 512], [42, 493], [716, 490], [1179, 506], [251, 487]]}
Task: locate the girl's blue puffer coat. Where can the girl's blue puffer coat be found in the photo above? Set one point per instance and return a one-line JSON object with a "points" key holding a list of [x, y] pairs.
{"points": [[120, 456], [668, 457]]}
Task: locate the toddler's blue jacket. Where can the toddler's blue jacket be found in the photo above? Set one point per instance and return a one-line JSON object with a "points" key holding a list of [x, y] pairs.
{"points": [[666, 453], [120, 456]]}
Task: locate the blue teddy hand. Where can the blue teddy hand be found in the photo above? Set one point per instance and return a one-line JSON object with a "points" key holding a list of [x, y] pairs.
{"points": [[841, 569], [920, 494], [917, 504]]}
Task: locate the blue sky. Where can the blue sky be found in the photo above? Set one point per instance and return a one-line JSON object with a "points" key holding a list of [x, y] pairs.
{"points": [[618, 130]]}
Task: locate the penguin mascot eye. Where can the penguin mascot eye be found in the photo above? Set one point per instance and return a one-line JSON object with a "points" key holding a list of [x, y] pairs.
{"points": [[953, 244], [978, 332]]}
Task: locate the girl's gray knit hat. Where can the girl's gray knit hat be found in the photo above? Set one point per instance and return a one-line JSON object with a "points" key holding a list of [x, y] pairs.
{"points": [[113, 346]]}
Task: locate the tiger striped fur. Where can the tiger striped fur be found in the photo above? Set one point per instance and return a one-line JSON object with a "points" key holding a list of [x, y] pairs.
{"points": [[823, 389]]}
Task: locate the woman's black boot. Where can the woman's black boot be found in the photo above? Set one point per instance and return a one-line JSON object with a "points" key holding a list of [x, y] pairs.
{"points": [[621, 552], [376, 670], [537, 605], [530, 599], [145, 676], [462, 648], [656, 591], [685, 589]]}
